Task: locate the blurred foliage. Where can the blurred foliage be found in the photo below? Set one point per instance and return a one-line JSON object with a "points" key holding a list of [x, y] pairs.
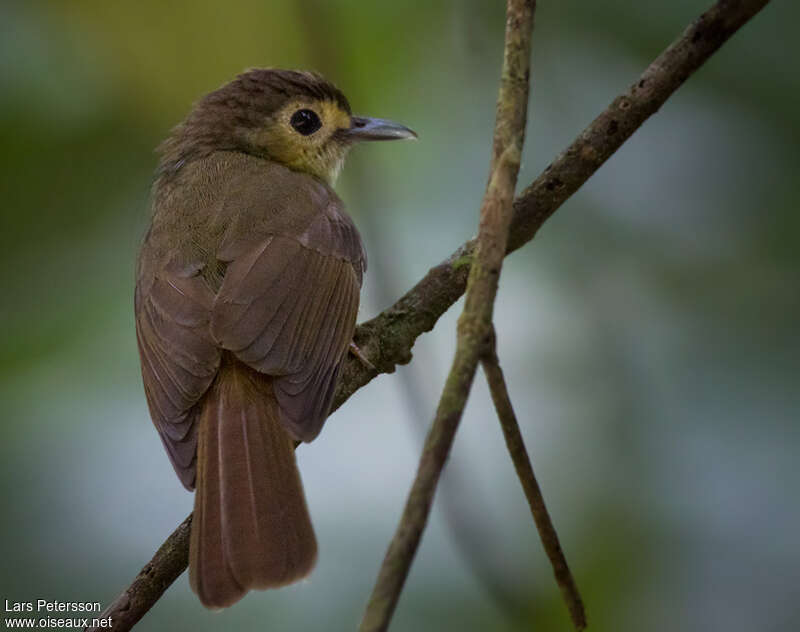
{"points": [[649, 334]]}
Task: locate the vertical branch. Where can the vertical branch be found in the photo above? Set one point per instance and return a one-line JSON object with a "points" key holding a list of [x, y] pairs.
{"points": [[475, 323], [522, 464]]}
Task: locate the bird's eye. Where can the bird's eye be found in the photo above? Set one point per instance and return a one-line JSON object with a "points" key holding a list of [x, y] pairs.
{"points": [[306, 122]]}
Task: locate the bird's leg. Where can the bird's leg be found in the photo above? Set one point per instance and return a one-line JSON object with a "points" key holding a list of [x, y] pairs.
{"points": [[359, 354]]}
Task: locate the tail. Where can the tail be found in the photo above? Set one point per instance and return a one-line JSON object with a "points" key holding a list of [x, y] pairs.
{"points": [[251, 527]]}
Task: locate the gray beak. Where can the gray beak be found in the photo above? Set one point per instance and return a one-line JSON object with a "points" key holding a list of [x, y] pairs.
{"points": [[366, 128]]}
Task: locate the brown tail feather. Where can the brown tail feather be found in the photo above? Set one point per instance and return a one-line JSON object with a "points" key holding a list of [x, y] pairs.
{"points": [[251, 527]]}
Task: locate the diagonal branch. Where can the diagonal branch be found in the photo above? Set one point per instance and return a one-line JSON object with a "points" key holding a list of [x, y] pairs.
{"points": [[388, 338], [167, 564], [522, 464], [474, 325]]}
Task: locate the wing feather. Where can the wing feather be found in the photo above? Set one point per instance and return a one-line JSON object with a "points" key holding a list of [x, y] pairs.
{"points": [[179, 359], [287, 308]]}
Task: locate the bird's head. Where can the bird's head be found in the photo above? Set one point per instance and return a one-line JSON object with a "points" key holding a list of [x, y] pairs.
{"points": [[295, 118]]}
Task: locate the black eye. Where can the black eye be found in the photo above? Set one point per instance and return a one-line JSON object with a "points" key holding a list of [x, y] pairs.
{"points": [[305, 121]]}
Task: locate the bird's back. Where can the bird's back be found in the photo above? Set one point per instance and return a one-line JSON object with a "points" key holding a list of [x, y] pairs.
{"points": [[231, 200]]}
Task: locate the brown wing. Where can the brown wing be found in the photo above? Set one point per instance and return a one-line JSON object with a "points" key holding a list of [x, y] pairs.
{"points": [[179, 359], [287, 307]]}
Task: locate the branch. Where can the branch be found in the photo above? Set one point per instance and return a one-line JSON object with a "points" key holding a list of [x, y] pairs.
{"points": [[388, 338], [166, 566], [475, 323], [522, 464]]}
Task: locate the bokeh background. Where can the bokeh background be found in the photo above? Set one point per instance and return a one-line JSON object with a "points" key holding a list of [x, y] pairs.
{"points": [[649, 333]]}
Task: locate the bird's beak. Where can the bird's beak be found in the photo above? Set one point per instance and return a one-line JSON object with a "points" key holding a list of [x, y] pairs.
{"points": [[366, 128]]}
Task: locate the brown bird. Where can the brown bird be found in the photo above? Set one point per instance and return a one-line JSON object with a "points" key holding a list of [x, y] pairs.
{"points": [[246, 298]]}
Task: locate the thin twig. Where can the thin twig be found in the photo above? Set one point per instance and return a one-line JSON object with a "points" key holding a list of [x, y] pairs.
{"points": [[475, 322], [388, 338], [522, 464]]}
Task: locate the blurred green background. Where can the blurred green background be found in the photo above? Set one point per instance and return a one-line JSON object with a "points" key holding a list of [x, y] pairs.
{"points": [[649, 334]]}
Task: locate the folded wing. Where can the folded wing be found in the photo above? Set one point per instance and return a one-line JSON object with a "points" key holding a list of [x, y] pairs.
{"points": [[287, 308], [179, 358]]}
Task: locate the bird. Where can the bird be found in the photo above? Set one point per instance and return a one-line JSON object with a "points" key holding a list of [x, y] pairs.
{"points": [[247, 291]]}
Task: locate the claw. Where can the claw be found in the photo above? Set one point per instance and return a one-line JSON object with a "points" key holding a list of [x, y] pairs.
{"points": [[358, 353]]}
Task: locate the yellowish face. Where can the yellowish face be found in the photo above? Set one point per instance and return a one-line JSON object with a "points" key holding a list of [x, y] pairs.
{"points": [[301, 136]]}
